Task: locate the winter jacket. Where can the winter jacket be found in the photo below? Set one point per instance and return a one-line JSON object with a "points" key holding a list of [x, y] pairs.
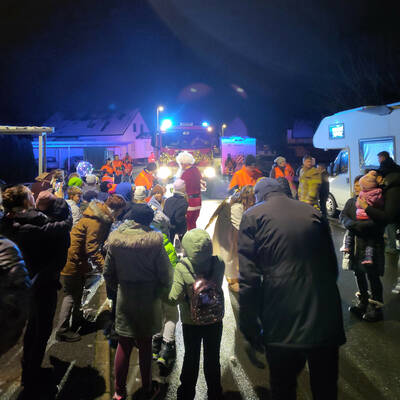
{"points": [[309, 183], [160, 219], [175, 209], [87, 238], [14, 294], [145, 178], [75, 211], [43, 241], [364, 230], [138, 267], [288, 273], [278, 172], [198, 248], [390, 214], [373, 198], [170, 249]]}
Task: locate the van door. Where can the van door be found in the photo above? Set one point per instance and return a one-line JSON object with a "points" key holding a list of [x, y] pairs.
{"points": [[339, 183]]}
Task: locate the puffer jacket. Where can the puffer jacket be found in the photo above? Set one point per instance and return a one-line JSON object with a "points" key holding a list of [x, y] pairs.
{"points": [[309, 183], [14, 294], [87, 239], [288, 271], [138, 268], [198, 248]]}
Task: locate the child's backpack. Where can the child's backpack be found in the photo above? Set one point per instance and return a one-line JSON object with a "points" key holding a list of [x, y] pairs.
{"points": [[206, 299]]}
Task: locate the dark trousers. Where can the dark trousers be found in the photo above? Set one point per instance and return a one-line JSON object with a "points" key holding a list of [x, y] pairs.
{"points": [[322, 205], [38, 331], [285, 364], [193, 335], [374, 281], [73, 289]]}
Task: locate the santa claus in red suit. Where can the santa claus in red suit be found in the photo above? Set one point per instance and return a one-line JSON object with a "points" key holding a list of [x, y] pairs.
{"points": [[192, 177]]}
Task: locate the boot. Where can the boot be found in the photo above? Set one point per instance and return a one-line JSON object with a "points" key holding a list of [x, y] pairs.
{"points": [[360, 306], [156, 346], [167, 354], [374, 312]]}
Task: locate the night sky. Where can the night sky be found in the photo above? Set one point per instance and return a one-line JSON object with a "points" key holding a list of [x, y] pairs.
{"points": [[289, 59]]}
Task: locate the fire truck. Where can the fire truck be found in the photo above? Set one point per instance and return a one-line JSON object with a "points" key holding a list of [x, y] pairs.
{"points": [[199, 140]]}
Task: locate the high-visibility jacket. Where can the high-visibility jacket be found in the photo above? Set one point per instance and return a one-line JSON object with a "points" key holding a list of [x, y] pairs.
{"points": [[145, 179], [118, 166], [242, 178], [128, 165], [108, 169], [277, 172]]}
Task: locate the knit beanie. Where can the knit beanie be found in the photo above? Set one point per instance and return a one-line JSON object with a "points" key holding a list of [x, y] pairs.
{"points": [[179, 185], [140, 213], [265, 186], [75, 181], [91, 179], [44, 200], [124, 189], [140, 193]]}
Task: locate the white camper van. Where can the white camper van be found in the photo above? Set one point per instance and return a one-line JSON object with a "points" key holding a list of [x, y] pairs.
{"points": [[360, 134]]}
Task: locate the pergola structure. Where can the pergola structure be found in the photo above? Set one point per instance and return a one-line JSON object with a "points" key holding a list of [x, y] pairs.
{"points": [[40, 131]]}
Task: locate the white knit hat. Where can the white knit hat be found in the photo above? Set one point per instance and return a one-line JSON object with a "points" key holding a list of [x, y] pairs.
{"points": [[91, 179], [140, 193], [279, 159], [185, 158], [179, 185]]}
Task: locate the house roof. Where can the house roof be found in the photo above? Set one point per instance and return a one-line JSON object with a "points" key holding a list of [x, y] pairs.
{"points": [[111, 123]]}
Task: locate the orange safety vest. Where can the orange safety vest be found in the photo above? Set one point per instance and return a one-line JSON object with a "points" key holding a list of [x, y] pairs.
{"points": [[242, 178], [144, 179], [108, 169], [118, 166], [287, 173]]}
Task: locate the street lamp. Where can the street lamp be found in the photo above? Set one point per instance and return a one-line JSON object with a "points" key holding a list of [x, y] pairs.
{"points": [[223, 129], [159, 109]]}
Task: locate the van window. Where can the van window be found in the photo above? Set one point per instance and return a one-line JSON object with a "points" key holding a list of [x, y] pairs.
{"points": [[369, 149], [341, 164]]}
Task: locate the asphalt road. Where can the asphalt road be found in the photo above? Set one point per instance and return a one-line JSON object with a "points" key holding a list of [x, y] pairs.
{"points": [[369, 361]]}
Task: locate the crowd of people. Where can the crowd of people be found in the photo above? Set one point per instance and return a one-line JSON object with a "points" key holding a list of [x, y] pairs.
{"points": [[154, 259]]}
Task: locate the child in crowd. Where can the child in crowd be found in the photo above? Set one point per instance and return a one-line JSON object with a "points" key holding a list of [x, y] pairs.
{"points": [[175, 209], [74, 199], [199, 261], [372, 194]]}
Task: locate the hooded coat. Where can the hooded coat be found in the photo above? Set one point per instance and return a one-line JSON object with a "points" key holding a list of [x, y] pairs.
{"points": [[138, 267], [87, 239], [288, 272], [199, 259]]}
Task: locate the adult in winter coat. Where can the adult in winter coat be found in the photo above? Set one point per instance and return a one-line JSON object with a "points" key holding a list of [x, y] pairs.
{"points": [[14, 294], [139, 285], [309, 183], [44, 246], [200, 261], [192, 178], [175, 209], [282, 169], [87, 238], [146, 176], [370, 309], [288, 273], [247, 175]]}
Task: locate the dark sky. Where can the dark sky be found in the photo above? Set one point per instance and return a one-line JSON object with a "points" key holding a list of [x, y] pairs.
{"points": [[294, 59]]}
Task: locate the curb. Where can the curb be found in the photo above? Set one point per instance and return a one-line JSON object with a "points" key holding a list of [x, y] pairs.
{"points": [[102, 354]]}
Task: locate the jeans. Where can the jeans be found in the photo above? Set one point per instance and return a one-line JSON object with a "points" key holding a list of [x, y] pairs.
{"points": [[211, 336], [73, 289], [286, 363], [38, 331], [121, 363]]}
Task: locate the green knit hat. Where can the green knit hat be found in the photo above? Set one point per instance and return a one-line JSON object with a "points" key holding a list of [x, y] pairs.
{"points": [[75, 181]]}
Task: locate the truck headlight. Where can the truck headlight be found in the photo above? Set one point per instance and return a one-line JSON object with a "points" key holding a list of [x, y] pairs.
{"points": [[164, 172], [209, 172]]}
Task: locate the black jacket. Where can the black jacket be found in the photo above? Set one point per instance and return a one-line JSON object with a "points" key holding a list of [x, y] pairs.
{"points": [[288, 271], [391, 195], [43, 241], [175, 209], [363, 230]]}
